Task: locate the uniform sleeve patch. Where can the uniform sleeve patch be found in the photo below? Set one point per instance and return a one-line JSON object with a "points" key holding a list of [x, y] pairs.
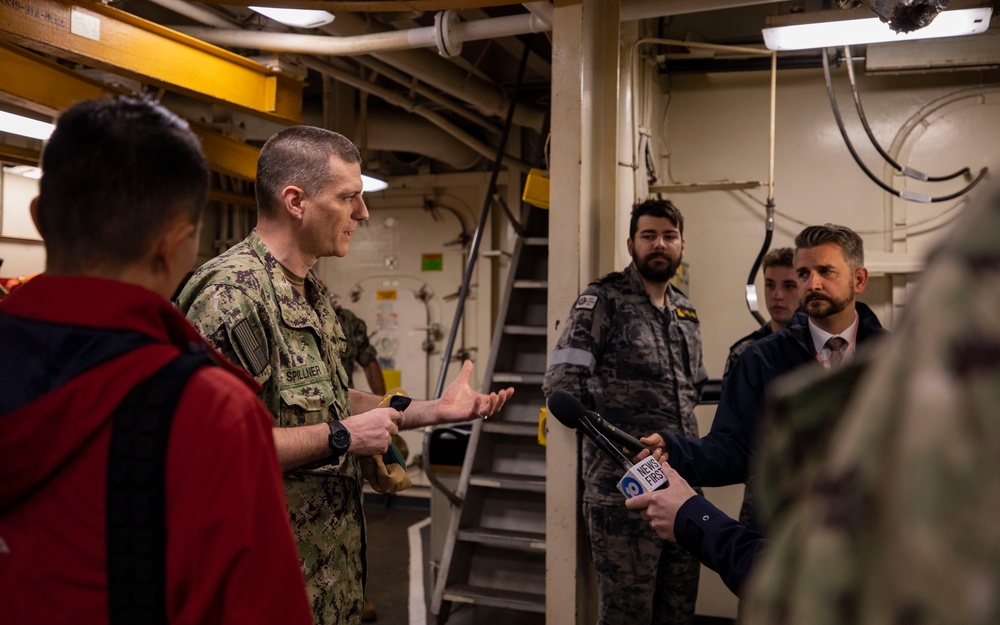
{"points": [[249, 343], [688, 314], [586, 302]]}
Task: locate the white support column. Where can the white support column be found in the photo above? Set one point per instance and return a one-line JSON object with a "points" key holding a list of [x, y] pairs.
{"points": [[584, 171]]}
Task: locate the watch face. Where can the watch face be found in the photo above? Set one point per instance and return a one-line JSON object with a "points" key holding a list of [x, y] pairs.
{"points": [[341, 439]]}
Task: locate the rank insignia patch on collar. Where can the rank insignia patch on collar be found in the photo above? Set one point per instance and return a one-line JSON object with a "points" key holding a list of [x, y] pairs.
{"points": [[587, 302], [687, 314]]}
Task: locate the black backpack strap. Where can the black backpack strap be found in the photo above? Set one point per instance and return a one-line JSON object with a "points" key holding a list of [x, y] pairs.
{"points": [[136, 494]]}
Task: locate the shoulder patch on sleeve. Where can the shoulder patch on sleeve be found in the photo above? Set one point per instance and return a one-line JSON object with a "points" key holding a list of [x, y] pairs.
{"points": [[587, 302], [249, 344], [687, 314]]}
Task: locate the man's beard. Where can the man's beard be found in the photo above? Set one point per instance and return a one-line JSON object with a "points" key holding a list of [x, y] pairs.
{"points": [[834, 306], [654, 274]]}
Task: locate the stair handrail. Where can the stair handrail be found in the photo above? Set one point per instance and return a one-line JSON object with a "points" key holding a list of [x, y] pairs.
{"points": [[470, 266]]}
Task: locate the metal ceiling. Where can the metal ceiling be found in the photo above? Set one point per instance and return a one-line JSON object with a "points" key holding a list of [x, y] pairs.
{"points": [[450, 64]]}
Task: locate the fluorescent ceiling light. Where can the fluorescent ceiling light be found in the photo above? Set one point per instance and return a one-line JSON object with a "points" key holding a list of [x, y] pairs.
{"points": [[26, 171], [24, 126], [301, 18], [825, 29], [371, 185]]}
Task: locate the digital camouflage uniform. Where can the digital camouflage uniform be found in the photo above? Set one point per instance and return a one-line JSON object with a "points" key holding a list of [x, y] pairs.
{"points": [[359, 349], [641, 369], [883, 506], [243, 304]]}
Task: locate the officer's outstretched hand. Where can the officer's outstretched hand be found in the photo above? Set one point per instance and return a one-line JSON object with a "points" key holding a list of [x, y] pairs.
{"points": [[460, 402], [660, 506]]}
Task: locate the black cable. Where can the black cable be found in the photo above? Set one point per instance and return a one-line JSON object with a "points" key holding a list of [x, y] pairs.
{"points": [[760, 257], [906, 171], [912, 196]]}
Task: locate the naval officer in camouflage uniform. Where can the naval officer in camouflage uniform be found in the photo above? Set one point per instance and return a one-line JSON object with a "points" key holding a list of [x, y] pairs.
{"points": [[631, 350], [259, 304], [883, 506]]}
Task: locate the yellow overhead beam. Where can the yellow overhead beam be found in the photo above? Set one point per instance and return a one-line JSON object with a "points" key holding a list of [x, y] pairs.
{"points": [[36, 79], [27, 77], [226, 155], [110, 39]]}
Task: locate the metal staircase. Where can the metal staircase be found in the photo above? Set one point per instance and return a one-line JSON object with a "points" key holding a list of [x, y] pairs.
{"points": [[494, 552]]}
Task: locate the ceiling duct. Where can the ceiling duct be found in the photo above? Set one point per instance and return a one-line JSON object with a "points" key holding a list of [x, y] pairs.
{"points": [[395, 130]]}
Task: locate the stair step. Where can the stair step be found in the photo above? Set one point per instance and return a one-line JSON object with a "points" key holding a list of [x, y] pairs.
{"points": [[511, 377], [525, 541], [509, 481], [536, 240], [511, 429], [512, 600], [531, 284], [525, 330]]}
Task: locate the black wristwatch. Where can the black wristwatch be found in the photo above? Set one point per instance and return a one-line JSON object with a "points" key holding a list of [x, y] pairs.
{"points": [[339, 440]]}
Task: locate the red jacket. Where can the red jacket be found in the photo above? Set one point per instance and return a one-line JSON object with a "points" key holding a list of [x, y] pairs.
{"points": [[70, 349]]}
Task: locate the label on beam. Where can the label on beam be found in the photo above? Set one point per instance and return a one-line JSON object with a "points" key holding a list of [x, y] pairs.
{"points": [[85, 24]]}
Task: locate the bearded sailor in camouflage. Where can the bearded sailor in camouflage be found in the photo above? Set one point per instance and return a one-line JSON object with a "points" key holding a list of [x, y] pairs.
{"points": [[631, 350], [883, 505], [261, 306]]}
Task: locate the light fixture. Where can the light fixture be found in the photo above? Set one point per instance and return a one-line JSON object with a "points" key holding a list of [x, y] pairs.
{"points": [[824, 29], [26, 171], [300, 18], [371, 185], [24, 126]]}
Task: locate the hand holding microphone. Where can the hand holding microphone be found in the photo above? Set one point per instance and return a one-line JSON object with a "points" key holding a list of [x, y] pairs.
{"points": [[660, 509], [644, 477]]}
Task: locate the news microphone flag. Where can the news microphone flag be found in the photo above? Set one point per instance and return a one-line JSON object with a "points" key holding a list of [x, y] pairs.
{"points": [[644, 477]]}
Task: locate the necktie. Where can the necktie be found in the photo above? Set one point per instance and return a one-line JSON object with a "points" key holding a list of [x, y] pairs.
{"points": [[837, 347]]}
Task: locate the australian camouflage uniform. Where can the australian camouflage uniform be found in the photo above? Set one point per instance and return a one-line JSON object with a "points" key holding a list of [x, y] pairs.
{"points": [[292, 345], [879, 482], [641, 369]]}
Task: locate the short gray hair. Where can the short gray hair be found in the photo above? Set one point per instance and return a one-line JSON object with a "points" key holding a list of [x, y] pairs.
{"points": [[298, 156]]}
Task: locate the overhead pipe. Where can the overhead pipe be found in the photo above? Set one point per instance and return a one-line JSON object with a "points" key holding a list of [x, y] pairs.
{"points": [[479, 92], [390, 130], [197, 13], [394, 98], [541, 10], [209, 18], [401, 49], [643, 9], [421, 89]]}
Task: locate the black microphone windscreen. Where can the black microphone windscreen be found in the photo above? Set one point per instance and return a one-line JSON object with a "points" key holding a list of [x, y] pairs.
{"points": [[566, 408]]}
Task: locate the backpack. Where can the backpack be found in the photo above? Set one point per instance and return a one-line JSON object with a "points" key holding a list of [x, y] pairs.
{"points": [[136, 521]]}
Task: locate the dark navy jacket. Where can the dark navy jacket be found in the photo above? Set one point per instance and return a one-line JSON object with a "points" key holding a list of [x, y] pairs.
{"points": [[723, 457], [718, 541]]}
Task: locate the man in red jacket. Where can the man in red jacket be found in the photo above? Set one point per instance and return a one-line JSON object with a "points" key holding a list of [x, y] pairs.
{"points": [[119, 208]]}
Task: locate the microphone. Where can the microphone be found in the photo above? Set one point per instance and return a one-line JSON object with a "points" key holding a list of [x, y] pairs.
{"points": [[571, 413], [573, 406], [644, 477]]}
